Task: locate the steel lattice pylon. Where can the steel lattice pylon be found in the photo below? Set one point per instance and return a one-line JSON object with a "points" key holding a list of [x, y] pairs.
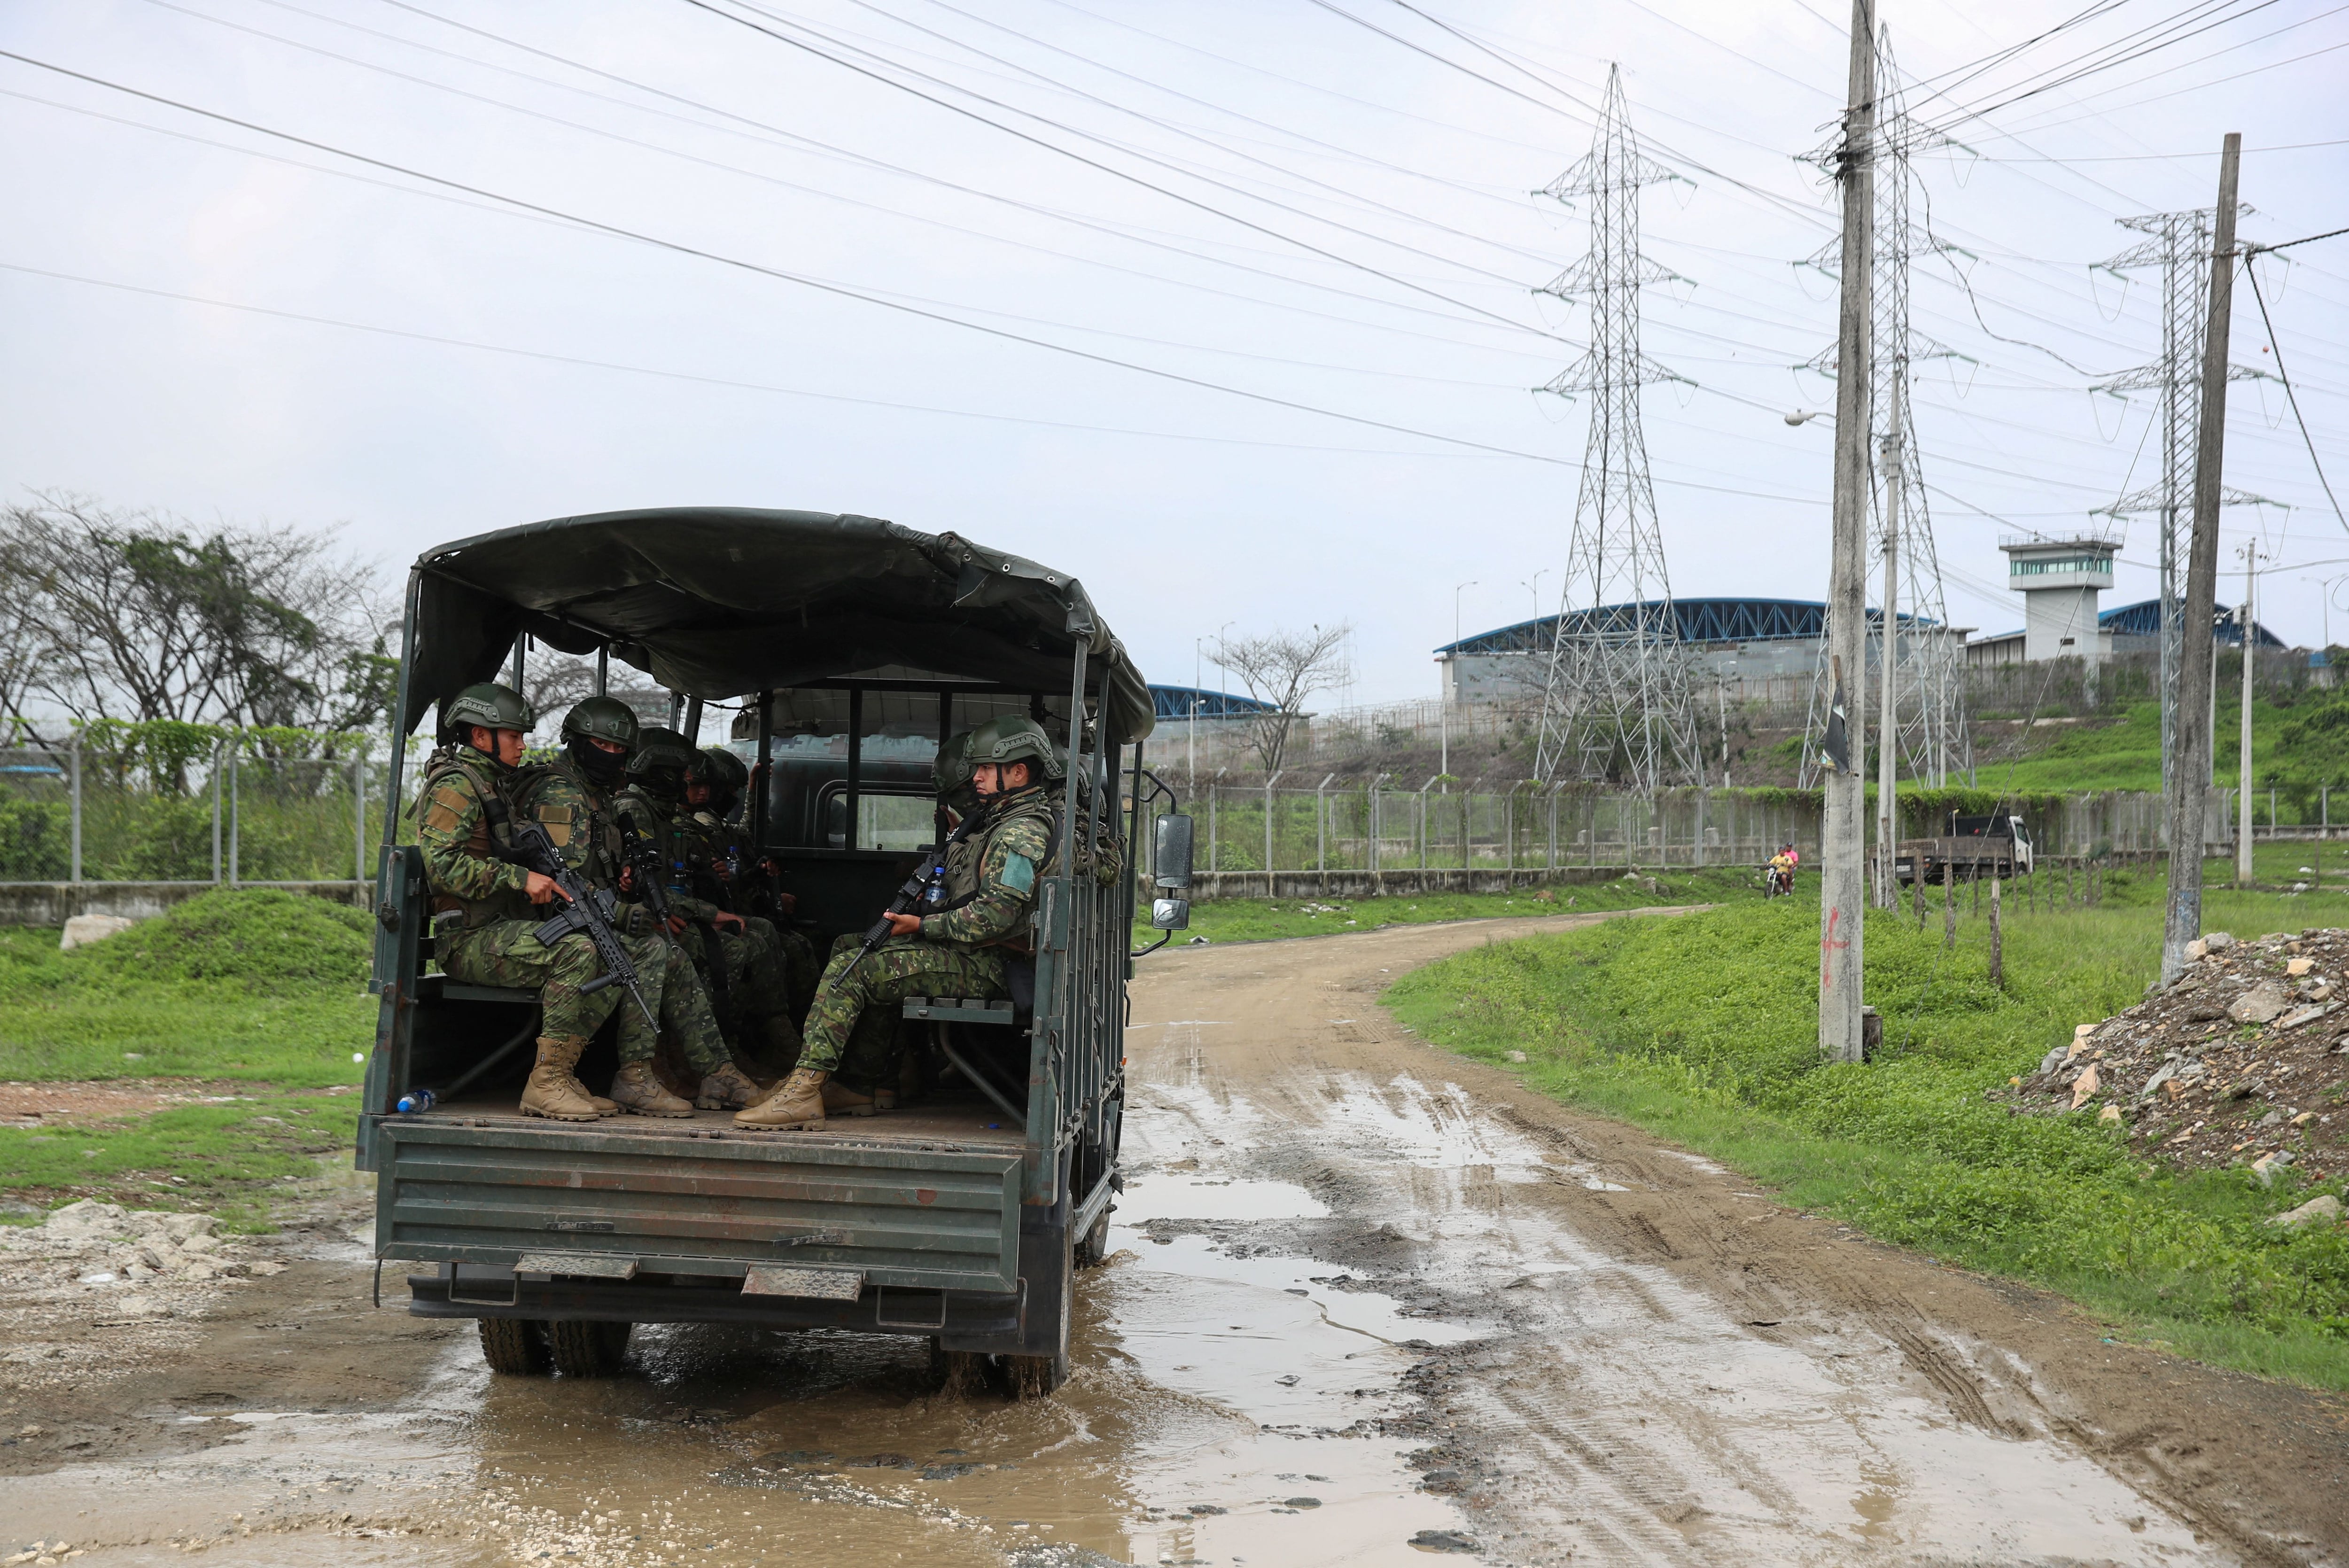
{"points": [[1928, 663], [2179, 244], [1615, 694]]}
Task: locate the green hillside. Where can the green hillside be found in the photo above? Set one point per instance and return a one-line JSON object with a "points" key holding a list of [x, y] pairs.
{"points": [[2300, 744]]}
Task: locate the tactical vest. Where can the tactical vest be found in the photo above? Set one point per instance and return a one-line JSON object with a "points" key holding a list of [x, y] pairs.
{"points": [[486, 839], [591, 822]]}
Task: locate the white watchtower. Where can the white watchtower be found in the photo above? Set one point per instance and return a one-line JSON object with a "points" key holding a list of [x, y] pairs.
{"points": [[2059, 579]]}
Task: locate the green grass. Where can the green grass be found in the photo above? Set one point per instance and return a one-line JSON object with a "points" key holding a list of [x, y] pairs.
{"points": [[1703, 1029], [1264, 920], [245, 984], [225, 1155], [2296, 745]]}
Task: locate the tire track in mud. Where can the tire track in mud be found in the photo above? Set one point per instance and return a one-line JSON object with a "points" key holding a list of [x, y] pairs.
{"points": [[1671, 1367]]}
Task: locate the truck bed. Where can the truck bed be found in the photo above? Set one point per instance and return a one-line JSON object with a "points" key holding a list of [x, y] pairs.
{"points": [[974, 1125], [923, 1199]]}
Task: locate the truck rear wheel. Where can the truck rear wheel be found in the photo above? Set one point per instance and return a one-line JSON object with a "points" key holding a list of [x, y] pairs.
{"points": [[1034, 1377], [514, 1347], [582, 1348]]}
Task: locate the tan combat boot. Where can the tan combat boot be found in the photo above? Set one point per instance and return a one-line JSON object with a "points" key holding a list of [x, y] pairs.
{"points": [[636, 1088], [602, 1106], [797, 1102], [728, 1088], [552, 1091], [839, 1099]]}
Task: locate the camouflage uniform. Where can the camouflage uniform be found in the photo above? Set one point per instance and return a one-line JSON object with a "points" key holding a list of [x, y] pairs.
{"points": [[753, 979], [779, 962], [578, 817], [484, 929], [961, 952]]}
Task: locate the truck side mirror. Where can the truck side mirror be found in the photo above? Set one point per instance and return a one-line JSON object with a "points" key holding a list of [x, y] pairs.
{"points": [[1170, 914], [1171, 859]]}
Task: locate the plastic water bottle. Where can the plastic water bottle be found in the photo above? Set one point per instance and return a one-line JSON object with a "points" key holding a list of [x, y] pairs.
{"points": [[416, 1101]]}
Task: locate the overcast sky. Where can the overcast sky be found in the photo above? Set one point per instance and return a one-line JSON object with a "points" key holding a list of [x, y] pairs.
{"points": [[1299, 199]]}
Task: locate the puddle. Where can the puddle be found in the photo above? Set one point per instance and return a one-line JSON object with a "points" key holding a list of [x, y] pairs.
{"points": [[1170, 1196]]}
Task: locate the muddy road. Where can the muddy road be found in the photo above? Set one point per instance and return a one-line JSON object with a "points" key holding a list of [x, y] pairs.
{"points": [[1366, 1304]]}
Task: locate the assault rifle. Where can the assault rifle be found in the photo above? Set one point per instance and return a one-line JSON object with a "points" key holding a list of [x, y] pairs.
{"points": [[643, 855], [917, 891], [588, 910]]}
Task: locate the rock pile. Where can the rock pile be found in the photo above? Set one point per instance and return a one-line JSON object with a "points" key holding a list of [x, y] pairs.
{"points": [[105, 1244], [2245, 1061]]}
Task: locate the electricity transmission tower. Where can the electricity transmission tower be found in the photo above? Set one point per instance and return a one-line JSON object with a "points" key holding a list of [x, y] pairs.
{"points": [[2179, 244], [1615, 696], [1928, 720]]}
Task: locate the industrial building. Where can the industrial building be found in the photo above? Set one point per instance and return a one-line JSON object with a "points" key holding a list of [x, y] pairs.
{"points": [[1741, 643]]}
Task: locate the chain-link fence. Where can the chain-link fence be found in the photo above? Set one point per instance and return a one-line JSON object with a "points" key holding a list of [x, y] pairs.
{"points": [[216, 806], [1453, 824]]}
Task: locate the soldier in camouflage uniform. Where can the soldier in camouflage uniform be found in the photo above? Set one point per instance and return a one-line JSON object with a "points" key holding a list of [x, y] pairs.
{"points": [[959, 951], [777, 964], [572, 798], [483, 924], [741, 969], [870, 1062]]}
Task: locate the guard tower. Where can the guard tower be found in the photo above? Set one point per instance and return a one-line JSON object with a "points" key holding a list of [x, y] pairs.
{"points": [[2059, 579]]}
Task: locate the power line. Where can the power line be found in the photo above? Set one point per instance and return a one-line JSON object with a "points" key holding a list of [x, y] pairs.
{"points": [[2253, 273], [840, 289], [1110, 170]]}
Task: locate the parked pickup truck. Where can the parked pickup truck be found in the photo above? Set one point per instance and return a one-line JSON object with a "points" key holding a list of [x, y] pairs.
{"points": [[1996, 845], [854, 647]]}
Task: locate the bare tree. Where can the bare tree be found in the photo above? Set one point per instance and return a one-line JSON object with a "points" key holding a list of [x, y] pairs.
{"points": [[1283, 669], [134, 615], [556, 683]]}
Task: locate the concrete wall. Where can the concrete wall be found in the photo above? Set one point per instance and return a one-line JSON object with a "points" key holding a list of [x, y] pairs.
{"points": [[1208, 886], [54, 903]]}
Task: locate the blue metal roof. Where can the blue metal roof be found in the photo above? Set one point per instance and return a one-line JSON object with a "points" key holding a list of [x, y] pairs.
{"points": [[2143, 619], [1178, 702], [1701, 621]]}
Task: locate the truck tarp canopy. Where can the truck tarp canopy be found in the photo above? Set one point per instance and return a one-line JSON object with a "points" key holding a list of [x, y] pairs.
{"points": [[719, 602]]}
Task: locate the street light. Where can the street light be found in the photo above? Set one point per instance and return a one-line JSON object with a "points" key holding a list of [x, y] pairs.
{"points": [[1199, 672], [1444, 692], [1534, 588]]}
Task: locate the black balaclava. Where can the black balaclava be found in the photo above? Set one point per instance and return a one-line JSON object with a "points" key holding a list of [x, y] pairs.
{"points": [[600, 766]]}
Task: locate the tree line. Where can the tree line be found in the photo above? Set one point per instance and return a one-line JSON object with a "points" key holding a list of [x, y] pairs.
{"points": [[116, 617]]}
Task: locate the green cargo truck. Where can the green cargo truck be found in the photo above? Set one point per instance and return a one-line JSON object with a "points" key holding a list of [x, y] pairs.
{"points": [[850, 647]]}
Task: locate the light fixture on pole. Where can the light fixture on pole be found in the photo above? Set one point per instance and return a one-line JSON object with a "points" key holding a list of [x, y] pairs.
{"points": [[1444, 692]]}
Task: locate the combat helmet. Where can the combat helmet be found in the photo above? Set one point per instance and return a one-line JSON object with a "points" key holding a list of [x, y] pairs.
{"points": [[488, 704], [952, 771], [602, 718], [661, 760], [1015, 737], [725, 773]]}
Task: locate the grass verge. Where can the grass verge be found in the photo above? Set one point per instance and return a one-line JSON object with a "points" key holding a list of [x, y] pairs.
{"points": [[1703, 1029], [245, 984], [1266, 920], [219, 1156]]}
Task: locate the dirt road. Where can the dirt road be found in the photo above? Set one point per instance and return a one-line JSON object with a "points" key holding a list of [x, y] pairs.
{"points": [[1369, 1303]]}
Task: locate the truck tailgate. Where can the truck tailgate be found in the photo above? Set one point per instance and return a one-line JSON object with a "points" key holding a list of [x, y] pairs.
{"points": [[914, 1215]]}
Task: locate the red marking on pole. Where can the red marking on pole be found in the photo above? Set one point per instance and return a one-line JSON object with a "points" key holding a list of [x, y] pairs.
{"points": [[1828, 948]]}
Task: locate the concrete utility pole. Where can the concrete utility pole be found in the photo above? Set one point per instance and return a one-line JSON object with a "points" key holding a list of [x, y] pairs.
{"points": [[1843, 851], [2244, 874], [1888, 729], [2183, 919]]}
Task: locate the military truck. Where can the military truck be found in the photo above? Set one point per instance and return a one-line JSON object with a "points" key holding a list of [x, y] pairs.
{"points": [[1997, 844], [850, 647]]}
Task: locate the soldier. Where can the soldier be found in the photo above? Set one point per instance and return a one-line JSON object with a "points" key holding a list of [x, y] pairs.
{"points": [[743, 975], [777, 963], [958, 952], [573, 798], [867, 1080], [484, 929]]}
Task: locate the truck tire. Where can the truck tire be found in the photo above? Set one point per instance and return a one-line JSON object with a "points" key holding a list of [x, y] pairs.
{"points": [[959, 1373], [513, 1346], [1094, 1249], [1037, 1377], [585, 1348]]}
